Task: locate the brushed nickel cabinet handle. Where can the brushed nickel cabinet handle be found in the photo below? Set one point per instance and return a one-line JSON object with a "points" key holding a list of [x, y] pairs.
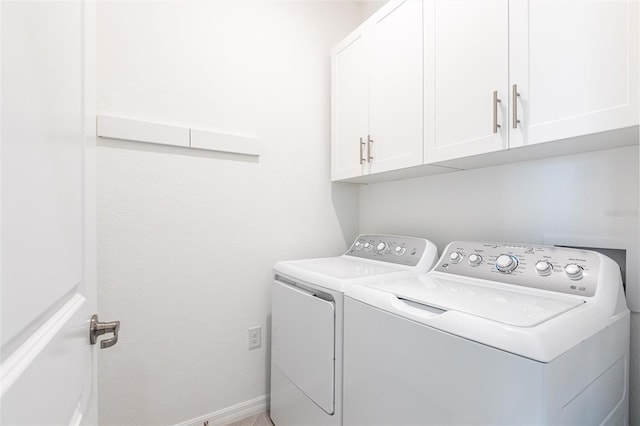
{"points": [[362, 159], [496, 101], [369, 148], [515, 96]]}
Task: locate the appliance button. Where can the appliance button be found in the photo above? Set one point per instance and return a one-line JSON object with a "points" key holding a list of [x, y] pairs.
{"points": [[544, 268], [506, 263], [475, 259], [455, 257], [368, 246], [400, 250], [573, 271], [358, 245]]}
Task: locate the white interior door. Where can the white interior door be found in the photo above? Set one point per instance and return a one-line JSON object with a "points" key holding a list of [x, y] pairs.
{"points": [[395, 89], [466, 61], [47, 217]]}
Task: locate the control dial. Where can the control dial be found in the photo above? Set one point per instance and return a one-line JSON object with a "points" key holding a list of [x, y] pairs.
{"points": [[368, 246], [544, 268], [455, 257], [400, 250], [358, 245], [475, 259], [506, 263], [573, 271], [381, 246]]}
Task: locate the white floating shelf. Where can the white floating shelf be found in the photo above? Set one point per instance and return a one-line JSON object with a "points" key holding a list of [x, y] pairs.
{"points": [[204, 139], [142, 131], [165, 134]]}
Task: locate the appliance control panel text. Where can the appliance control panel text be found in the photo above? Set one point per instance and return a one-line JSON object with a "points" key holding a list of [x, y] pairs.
{"points": [[558, 269], [387, 248]]}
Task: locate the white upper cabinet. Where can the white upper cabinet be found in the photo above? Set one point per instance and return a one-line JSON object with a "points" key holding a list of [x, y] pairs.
{"points": [[377, 106], [459, 83], [466, 77], [575, 64], [559, 68], [350, 109], [395, 91]]}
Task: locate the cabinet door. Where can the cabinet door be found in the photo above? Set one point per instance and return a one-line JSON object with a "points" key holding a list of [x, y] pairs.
{"points": [[350, 111], [395, 89], [575, 63], [466, 61]]}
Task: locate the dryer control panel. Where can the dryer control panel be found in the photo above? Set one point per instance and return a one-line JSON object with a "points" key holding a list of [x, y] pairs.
{"points": [[389, 248], [558, 269]]}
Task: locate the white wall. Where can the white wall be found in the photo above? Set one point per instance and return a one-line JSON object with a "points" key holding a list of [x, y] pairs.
{"points": [[521, 202], [186, 240]]}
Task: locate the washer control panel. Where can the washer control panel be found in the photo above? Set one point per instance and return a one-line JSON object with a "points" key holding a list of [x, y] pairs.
{"points": [[389, 248], [558, 269]]}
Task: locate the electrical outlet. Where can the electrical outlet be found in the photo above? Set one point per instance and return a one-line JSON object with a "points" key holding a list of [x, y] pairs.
{"points": [[255, 337]]}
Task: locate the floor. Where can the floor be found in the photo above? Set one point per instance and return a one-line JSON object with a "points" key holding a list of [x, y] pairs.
{"points": [[261, 419]]}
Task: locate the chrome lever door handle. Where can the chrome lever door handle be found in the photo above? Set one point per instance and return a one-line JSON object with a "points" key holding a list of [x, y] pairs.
{"points": [[97, 328]]}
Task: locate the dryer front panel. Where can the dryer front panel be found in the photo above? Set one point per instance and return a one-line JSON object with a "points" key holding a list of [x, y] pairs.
{"points": [[303, 341]]}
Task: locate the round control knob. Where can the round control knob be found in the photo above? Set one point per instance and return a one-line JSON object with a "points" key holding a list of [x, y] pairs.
{"points": [[381, 246], [358, 245], [544, 268], [368, 246], [455, 257], [573, 271], [400, 250], [506, 263], [475, 259]]}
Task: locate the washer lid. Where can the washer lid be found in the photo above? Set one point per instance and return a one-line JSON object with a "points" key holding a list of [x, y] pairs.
{"points": [[336, 272], [517, 308]]}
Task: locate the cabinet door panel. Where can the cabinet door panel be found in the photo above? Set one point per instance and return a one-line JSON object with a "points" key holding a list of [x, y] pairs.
{"points": [[466, 59], [576, 67], [395, 103], [350, 97]]}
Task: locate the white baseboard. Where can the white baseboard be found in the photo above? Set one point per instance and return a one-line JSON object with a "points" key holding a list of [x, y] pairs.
{"points": [[230, 414]]}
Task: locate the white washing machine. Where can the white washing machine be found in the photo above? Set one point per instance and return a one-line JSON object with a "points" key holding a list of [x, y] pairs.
{"points": [[495, 334], [307, 322]]}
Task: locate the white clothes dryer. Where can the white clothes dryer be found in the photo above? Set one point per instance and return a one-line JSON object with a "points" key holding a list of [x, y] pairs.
{"points": [[307, 322], [495, 334]]}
